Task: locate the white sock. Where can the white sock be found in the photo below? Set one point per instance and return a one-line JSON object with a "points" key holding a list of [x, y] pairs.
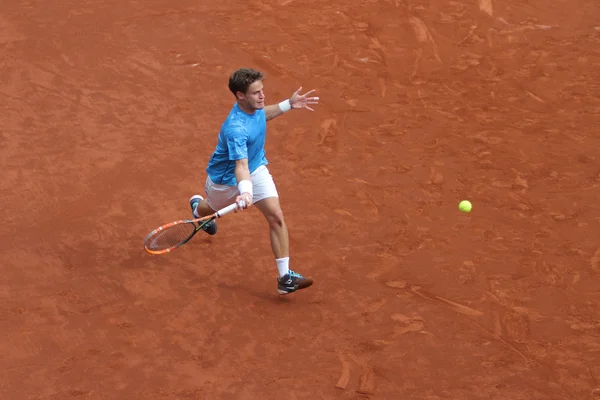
{"points": [[283, 266]]}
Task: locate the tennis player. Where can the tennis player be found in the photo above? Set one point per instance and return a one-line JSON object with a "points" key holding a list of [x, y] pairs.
{"points": [[237, 170]]}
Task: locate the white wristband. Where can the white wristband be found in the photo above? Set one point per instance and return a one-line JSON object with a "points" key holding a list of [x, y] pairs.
{"points": [[285, 106], [245, 186]]}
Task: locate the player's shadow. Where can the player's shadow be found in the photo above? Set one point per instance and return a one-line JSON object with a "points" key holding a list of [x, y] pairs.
{"points": [[269, 297]]}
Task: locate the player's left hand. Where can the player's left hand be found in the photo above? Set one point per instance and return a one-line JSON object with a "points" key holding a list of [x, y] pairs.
{"points": [[303, 100]]}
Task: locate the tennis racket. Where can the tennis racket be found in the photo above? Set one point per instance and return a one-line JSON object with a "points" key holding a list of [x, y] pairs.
{"points": [[169, 236]]}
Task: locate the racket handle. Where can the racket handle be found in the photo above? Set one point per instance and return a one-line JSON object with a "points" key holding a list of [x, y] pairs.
{"points": [[226, 210]]}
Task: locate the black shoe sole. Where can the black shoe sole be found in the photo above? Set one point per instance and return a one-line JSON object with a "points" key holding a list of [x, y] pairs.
{"points": [[305, 284]]}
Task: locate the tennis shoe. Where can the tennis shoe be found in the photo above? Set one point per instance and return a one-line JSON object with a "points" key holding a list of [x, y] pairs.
{"points": [[291, 282], [211, 227]]}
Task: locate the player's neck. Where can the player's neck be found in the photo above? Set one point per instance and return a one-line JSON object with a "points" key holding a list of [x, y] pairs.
{"points": [[245, 108]]}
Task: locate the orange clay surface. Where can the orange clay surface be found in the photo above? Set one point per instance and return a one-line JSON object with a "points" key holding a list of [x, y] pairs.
{"points": [[110, 111]]}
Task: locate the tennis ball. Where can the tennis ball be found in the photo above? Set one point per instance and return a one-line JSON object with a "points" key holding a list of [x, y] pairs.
{"points": [[465, 206]]}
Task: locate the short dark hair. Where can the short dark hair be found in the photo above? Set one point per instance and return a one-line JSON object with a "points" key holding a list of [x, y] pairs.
{"points": [[241, 79]]}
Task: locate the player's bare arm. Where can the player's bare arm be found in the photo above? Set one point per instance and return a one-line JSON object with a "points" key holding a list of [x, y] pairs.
{"points": [[242, 174], [296, 101]]}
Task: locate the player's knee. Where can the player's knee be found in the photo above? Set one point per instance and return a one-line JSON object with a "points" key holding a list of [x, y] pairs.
{"points": [[275, 218]]}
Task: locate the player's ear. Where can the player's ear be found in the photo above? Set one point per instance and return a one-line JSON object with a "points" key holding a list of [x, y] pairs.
{"points": [[239, 95]]}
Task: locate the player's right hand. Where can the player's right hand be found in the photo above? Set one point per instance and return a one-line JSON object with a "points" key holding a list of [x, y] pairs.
{"points": [[243, 201]]}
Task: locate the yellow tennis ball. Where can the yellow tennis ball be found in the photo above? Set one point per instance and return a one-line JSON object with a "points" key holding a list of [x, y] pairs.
{"points": [[465, 206]]}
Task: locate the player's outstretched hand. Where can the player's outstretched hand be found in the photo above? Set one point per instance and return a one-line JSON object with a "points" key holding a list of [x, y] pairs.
{"points": [[303, 100]]}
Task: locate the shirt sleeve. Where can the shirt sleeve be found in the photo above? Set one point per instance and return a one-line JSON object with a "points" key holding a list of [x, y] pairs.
{"points": [[237, 142]]}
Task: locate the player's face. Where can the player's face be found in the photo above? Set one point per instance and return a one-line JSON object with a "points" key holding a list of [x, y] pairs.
{"points": [[254, 96]]}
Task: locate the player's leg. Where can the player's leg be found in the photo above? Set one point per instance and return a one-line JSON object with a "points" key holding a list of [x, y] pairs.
{"points": [[200, 208], [217, 197], [266, 199], [280, 243]]}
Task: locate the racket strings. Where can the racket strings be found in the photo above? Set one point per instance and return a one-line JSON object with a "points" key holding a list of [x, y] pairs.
{"points": [[170, 237]]}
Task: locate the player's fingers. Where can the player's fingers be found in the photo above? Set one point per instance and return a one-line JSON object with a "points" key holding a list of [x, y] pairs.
{"points": [[308, 108], [309, 92]]}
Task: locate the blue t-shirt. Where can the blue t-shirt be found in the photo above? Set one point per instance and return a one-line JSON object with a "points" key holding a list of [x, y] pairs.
{"points": [[242, 135]]}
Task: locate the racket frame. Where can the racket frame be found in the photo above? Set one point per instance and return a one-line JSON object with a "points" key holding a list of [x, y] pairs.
{"points": [[197, 222]]}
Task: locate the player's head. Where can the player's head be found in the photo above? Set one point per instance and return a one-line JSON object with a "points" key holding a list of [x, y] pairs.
{"points": [[247, 87]]}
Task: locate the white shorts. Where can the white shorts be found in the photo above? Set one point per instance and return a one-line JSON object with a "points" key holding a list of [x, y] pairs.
{"points": [[263, 186]]}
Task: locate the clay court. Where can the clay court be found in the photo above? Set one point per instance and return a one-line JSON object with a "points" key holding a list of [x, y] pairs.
{"points": [[111, 109]]}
